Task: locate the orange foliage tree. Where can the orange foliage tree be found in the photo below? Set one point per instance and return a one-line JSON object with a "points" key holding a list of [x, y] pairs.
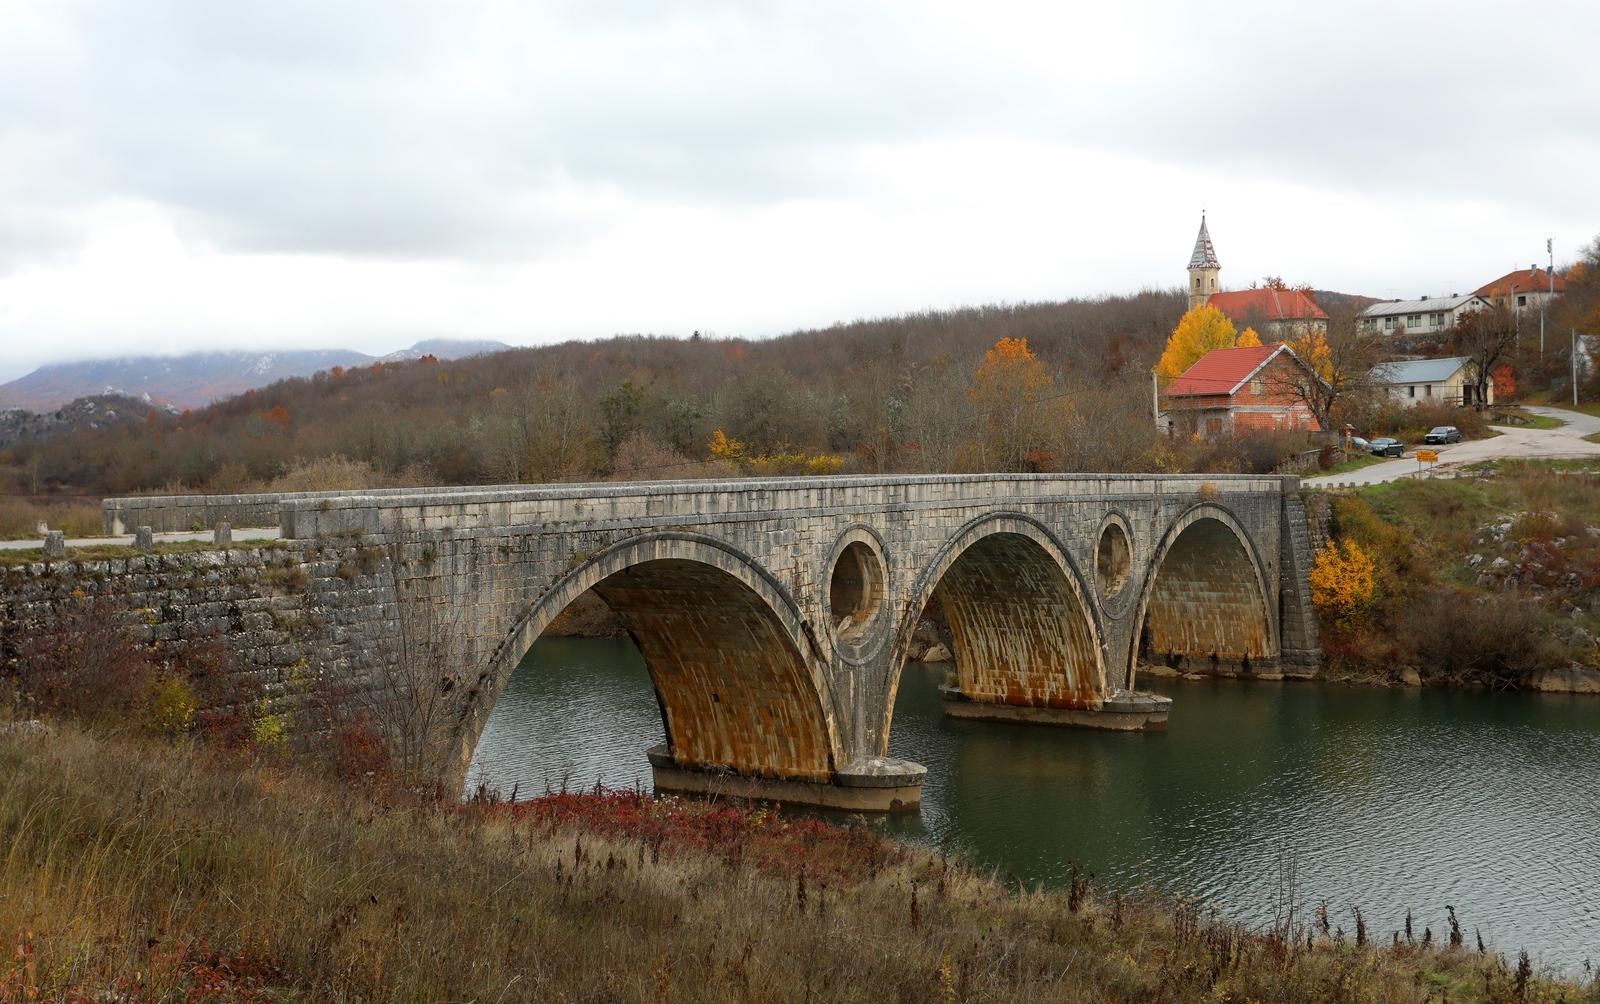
{"points": [[1009, 390]]}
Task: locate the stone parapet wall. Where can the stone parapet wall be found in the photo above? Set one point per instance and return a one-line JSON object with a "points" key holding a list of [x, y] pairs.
{"points": [[173, 513], [660, 503]]}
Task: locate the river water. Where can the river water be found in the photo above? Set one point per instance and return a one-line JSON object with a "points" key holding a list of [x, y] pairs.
{"points": [[1386, 800]]}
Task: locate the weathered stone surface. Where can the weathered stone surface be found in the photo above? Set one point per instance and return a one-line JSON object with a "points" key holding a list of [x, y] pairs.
{"points": [[774, 616], [937, 653]]}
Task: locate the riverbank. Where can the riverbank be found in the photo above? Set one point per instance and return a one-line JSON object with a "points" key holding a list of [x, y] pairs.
{"points": [[1488, 579], [136, 870]]}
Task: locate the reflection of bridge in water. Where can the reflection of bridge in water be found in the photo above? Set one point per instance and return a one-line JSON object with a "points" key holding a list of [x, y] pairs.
{"points": [[774, 616]]}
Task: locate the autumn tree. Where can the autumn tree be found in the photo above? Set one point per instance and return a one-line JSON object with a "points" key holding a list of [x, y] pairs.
{"points": [[1487, 337], [1337, 363], [538, 432], [1343, 580], [1200, 331], [1008, 391]]}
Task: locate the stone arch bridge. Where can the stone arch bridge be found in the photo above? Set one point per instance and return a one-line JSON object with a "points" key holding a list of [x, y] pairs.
{"points": [[775, 615]]}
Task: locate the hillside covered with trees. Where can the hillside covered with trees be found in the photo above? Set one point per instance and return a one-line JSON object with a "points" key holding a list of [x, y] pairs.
{"points": [[1042, 386]]}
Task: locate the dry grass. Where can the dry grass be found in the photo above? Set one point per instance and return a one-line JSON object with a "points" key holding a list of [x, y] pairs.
{"points": [[19, 517], [132, 870]]}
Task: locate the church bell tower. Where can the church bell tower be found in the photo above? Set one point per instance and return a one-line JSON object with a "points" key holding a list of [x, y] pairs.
{"points": [[1203, 268]]}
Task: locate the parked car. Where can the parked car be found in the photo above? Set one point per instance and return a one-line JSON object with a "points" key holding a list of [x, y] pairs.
{"points": [[1385, 446], [1357, 443], [1443, 434]]}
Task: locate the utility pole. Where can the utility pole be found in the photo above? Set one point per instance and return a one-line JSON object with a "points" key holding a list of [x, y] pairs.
{"points": [[1574, 367], [1155, 399], [1533, 273]]}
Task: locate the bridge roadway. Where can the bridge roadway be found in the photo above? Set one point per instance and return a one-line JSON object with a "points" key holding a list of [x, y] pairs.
{"points": [[774, 615]]}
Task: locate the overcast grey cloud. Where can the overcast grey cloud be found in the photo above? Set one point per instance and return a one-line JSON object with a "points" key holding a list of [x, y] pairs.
{"points": [[184, 174]]}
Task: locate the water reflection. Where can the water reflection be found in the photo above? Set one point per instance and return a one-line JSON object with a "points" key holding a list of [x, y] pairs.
{"points": [[1384, 799]]}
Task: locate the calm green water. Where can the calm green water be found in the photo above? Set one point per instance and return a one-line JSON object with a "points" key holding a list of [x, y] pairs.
{"points": [[1386, 800]]}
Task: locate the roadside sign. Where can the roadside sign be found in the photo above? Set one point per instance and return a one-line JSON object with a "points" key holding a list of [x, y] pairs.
{"points": [[1427, 456]]}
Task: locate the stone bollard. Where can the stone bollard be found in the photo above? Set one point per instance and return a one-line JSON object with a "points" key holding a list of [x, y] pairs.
{"points": [[55, 544], [223, 535], [43, 529], [143, 539]]}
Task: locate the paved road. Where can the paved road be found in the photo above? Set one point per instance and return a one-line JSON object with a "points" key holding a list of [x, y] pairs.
{"points": [[1566, 441], [240, 534]]}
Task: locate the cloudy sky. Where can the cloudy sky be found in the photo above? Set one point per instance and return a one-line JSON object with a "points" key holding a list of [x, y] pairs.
{"points": [[318, 173]]}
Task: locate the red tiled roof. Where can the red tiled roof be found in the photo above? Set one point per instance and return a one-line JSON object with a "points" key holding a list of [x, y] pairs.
{"points": [[1524, 280], [1269, 304], [1221, 370]]}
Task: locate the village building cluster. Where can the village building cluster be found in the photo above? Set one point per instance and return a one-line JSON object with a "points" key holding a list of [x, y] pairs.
{"points": [[1251, 388]]}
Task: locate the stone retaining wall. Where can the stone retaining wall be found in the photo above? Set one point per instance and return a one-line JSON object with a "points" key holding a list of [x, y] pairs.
{"points": [[295, 625]]}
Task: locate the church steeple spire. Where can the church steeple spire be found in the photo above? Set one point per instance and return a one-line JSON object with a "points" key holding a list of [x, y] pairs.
{"points": [[1203, 267]]}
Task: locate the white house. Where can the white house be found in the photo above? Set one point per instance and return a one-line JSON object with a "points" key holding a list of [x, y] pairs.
{"points": [[1414, 381], [1429, 315]]}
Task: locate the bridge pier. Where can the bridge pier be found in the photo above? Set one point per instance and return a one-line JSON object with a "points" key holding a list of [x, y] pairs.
{"points": [[870, 784], [1121, 711]]}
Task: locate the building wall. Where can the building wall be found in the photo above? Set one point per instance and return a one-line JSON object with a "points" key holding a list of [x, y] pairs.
{"points": [[1259, 406], [1453, 390]]}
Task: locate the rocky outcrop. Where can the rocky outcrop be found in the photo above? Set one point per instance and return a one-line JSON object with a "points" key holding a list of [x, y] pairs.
{"points": [[1574, 679]]}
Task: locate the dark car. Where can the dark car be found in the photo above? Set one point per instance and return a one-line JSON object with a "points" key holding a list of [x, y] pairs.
{"points": [[1384, 446], [1443, 434]]}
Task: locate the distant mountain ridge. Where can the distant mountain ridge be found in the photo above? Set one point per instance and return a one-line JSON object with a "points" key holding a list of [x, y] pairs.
{"points": [[198, 378]]}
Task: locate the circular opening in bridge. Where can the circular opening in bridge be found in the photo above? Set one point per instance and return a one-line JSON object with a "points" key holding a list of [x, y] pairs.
{"points": [[1113, 560], [855, 590]]}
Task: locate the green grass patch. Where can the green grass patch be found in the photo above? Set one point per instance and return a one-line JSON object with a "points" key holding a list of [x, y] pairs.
{"points": [[105, 552], [1354, 463]]}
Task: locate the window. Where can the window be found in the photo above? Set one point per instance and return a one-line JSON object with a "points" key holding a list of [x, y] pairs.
{"points": [[1522, 301], [1411, 391], [1427, 391], [1388, 322], [1414, 321], [1255, 387]]}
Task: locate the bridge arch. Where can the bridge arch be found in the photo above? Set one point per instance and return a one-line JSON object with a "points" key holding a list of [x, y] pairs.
{"points": [[732, 661], [1023, 625], [1205, 596]]}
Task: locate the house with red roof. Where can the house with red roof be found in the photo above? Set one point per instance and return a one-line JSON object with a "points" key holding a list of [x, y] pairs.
{"points": [[1524, 289], [1240, 391], [1276, 314]]}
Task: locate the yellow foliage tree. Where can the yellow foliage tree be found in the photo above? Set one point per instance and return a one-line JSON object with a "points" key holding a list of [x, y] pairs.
{"points": [[1247, 338], [724, 448], [1312, 348], [1343, 580], [1201, 330]]}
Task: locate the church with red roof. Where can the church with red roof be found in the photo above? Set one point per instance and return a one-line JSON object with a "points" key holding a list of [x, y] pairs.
{"points": [[1276, 314]]}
